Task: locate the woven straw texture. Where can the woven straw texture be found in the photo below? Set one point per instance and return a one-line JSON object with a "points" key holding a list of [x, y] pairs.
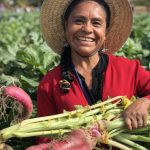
{"points": [[118, 31]]}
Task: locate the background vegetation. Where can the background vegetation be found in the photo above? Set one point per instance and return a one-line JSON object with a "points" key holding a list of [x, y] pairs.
{"points": [[39, 2], [25, 58]]}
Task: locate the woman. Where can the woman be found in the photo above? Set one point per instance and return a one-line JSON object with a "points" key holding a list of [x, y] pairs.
{"points": [[86, 33]]}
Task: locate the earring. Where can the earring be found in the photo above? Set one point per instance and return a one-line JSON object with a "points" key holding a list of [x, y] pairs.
{"points": [[104, 49], [66, 45]]}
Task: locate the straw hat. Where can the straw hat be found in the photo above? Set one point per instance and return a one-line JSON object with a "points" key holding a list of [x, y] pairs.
{"points": [[118, 31]]}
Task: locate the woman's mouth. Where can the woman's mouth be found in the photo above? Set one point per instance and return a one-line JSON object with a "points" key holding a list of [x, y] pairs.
{"points": [[85, 39]]}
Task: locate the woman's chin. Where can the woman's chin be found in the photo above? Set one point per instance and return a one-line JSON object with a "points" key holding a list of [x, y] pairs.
{"points": [[86, 52]]}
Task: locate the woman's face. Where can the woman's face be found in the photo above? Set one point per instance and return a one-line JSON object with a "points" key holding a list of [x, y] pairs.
{"points": [[86, 28]]}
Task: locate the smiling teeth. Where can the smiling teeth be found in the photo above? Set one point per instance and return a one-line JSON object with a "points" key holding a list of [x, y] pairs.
{"points": [[86, 39]]}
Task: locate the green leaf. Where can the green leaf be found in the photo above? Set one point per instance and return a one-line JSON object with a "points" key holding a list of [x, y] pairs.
{"points": [[30, 82], [78, 107], [9, 80], [29, 56]]}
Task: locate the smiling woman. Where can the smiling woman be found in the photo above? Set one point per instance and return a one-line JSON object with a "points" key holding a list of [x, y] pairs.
{"points": [[85, 30], [86, 33]]}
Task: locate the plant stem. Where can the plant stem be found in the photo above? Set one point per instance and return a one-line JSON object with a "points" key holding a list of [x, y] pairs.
{"points": [[118, 145], [42, 133], [136, 137], [116, 132], [39, 127], [128, 142], [66, 114], [117, 123]]}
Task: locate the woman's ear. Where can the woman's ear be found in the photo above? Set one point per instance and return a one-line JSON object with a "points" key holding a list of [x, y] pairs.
{"points": [[104, 38]]}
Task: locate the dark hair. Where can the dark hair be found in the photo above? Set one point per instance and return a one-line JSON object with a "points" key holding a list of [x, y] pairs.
{"points": [[65, 63], [74, 3]]}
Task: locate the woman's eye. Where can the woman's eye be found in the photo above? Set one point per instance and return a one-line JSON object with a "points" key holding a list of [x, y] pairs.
{"points": [[97, 24], [78, 21]]}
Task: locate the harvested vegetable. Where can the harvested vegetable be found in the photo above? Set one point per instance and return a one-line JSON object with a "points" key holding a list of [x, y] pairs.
{"points": [[105, 115], [39, 147], [78, 139], [15, 104]]}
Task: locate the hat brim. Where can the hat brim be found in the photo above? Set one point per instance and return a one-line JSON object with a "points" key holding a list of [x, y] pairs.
{"points": [[119, 30]]}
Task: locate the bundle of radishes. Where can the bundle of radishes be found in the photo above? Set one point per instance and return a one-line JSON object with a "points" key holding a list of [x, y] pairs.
{"points": [[83, 128]]}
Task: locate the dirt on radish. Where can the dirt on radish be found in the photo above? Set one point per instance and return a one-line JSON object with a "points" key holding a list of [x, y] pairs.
{"points": [[15, 104]]}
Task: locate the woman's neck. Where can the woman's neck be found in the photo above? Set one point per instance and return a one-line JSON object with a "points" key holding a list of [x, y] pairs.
{"points": [[85, 64]]}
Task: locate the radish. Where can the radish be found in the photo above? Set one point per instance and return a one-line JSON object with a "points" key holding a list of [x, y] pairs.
{"points": [[77, 139], [15, 98], [39, 147]]}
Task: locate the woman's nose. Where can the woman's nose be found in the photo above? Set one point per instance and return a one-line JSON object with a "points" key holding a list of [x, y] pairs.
{"points": [[87, 28]]}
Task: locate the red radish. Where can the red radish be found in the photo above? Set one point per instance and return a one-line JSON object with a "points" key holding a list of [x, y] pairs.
{"points": [[45, 146], [17, 94], [78, 139]]}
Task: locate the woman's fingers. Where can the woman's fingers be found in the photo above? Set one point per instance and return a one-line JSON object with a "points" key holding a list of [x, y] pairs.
{"points": [[128, 123], [135, 116], [135, 121], [145, 118], [140, 121]]}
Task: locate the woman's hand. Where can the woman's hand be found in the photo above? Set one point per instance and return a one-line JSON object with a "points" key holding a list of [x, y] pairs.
{"points": [[135, 116]]}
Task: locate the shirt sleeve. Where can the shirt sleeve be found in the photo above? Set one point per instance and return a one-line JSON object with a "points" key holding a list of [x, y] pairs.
{"points": [[143, 81], [45, 104]]}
